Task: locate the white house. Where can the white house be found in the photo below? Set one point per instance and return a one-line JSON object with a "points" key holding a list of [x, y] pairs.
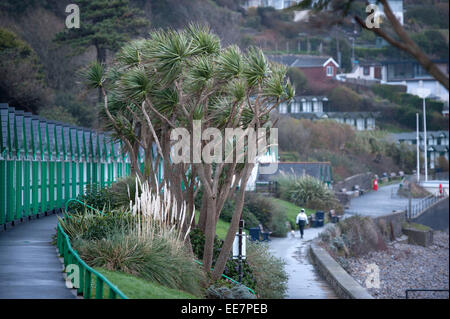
{"points": [[304, 104], [437, 144], [277, 4], [408, 73], [318, 108], [412, 75], [367, 71]]}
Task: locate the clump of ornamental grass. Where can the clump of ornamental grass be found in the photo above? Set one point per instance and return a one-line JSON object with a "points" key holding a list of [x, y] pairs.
{"points": [[146, 240], [153, 260], [159, 215]]}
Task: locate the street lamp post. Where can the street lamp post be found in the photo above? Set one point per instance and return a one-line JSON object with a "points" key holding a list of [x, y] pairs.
{"points": [[425, 139], [423, 93], [417, 147]]}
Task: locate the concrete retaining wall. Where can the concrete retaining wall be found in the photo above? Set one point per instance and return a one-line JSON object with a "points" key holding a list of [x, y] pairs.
{"points": [[363, 180], [419, 237], [343, 284], [391, 225]]}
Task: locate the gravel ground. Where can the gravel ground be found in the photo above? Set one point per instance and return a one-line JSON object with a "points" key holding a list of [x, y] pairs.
{"points": [[405, 266]]}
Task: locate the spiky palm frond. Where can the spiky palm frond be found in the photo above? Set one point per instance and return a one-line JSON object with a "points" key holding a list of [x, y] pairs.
{"points": [[274, 85], [200, 72], [131, 54], [236, 89], [256, 67], [94, 75], [290, 91], [168, 50], [198, 113], [135, 85], [229, 63], [220, 111], [165, 100], [204, 42]]}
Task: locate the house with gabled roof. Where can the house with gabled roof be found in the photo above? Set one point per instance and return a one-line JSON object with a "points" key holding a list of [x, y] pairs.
{"points": [[319, 170], [319, 108], [315, 67], [437, 144]]}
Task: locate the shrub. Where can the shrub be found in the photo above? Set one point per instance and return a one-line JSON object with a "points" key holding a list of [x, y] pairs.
{"points": [[353, 236], [261, 207], [270, 276], [94, 196], [261, 271], [270, 216], [91, 225], [235, 292], [232, 270], [153, 260], [248, 217], [278, 225], [123, 191], [146, 242], [119, 195], [197, 238], [307, 191]]}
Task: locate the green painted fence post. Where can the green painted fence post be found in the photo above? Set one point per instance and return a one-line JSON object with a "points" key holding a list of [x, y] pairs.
{"points": [[98, 288], [4, 110], [43, 138], [2, 191], [35, 187], [87, 285], [27, 145], [59, 165], [35, 164], [10, 192]]}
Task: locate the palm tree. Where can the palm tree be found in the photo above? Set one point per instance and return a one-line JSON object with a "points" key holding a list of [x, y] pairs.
{"points": [[173, 79]]}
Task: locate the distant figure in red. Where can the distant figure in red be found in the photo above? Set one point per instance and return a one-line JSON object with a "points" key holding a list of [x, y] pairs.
{"points": [[441, 191], [375, 184]]}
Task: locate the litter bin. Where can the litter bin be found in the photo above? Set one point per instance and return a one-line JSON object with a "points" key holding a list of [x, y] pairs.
{"points": [[318, 221]]}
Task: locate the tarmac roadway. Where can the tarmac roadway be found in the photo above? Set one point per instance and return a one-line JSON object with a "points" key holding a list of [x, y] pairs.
{"points": [[29, 266], [378, 203]]}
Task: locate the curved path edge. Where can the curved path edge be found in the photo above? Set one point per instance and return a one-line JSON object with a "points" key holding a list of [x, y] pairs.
{"points": [[29, 264], [343, 284]]}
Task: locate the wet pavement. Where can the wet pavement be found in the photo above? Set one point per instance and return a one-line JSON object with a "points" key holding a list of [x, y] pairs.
{"points": [[378, 203], [29, 266], [304, 281]]}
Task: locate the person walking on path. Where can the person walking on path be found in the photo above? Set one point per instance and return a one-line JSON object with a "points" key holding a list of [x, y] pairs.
{"points": [[301, 221]]}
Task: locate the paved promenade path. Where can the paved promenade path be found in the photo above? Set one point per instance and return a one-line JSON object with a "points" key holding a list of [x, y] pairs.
{"points": [[304, 282], [29, 266], [378, 203]]}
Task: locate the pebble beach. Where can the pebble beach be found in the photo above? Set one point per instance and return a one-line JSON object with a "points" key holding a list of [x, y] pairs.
{"points": [[403, 266]]}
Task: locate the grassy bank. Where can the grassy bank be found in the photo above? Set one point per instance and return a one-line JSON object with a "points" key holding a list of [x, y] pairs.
{"points": [[137, 288], [291, 210]]}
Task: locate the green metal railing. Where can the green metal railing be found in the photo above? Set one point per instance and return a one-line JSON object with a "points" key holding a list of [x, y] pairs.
{"points": [[86, 273], [85, 280], [198, 262]]}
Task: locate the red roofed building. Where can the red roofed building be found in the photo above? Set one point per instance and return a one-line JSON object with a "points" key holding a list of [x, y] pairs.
{"points": [[320, 71]]}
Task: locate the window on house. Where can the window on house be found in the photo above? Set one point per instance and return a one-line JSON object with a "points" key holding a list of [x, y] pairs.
{"points": [[330, 71], [366, 70]]}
